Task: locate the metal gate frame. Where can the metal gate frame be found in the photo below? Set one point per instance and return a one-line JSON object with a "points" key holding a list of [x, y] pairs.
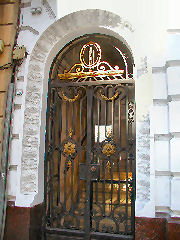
{"points": [[86, 80]]}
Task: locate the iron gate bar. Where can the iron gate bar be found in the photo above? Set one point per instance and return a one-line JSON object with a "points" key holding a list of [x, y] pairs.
{"points": [[59, 158], [88, 161], [108, 236], [66, 232], [89, 183], [93, 235], [129, 81]]}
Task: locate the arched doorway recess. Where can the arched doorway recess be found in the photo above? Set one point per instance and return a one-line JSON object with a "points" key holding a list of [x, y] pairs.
{"points": [[90, 141]]}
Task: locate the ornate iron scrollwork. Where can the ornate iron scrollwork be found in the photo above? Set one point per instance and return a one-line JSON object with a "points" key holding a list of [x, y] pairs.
{"points": [[131, 112], [66, 98], [108, 149], [86, 164], [93, 65], [69, 147], [111, 98]]}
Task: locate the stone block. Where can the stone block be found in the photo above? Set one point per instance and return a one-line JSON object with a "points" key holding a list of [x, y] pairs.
{"points": [[5, 56], [162, 191], [161, 155], [5, 78], [174, 116], [8, 13], [173, 47], [3, 97], [7, 33], [173, 76], [0, 150], [12, 183], [15, 149], [1, 129], [159, 85], [175, 154], [36, 3], [1, 46], [175, 194], [160, 119], [17, 121]]}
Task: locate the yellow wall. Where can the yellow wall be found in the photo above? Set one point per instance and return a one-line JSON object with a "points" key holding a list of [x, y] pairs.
{"points": [[9, 11]]}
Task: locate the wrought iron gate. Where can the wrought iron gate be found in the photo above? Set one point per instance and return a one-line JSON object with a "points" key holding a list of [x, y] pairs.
{"points": [[90, 153]]}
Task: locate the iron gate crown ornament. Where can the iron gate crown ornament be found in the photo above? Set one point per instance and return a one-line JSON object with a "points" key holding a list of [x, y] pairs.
{"points": [[90, 64]]}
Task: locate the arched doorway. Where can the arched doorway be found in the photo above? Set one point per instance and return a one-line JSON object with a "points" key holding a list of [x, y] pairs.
{"points": [[90, 142]]}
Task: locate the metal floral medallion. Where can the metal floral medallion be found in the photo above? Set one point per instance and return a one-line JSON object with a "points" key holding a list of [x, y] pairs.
{"points": [[108, 149], [69, 148]]}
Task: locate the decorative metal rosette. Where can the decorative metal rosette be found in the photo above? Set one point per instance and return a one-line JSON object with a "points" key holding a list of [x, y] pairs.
{"points": [[108, 149], [69, 148]]}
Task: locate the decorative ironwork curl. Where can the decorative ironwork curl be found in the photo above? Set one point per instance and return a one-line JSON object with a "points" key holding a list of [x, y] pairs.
{"points": [[131, 112], [94, 66], [111, 98], [70, 99]]}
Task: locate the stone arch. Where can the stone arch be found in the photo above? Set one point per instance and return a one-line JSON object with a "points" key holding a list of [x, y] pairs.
{"points": [[49, 44]]}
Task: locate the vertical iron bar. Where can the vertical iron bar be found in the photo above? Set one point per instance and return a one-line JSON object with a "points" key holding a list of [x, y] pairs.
{"points": [[89, 92], [133, 172], [49, 165], [59, 160], [67, 111], [105, 117], [112, 114], [46, 193], [111, 183], [80, 147], [126, 164], [65, 194], [73, 118], [98, 113], [52, 160], [72, 187], [104, 169], [120, 122], [119, 163]]}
